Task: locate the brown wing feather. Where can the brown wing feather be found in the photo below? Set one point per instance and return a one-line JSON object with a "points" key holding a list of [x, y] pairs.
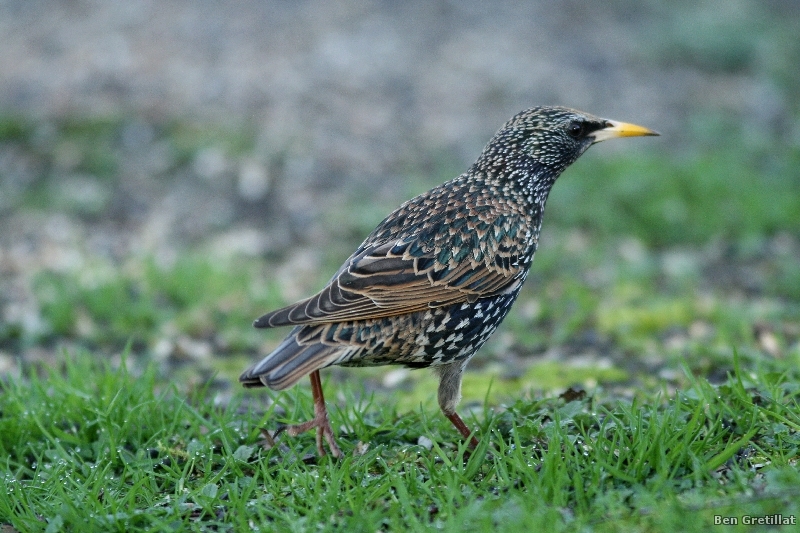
{"points": [[376, 284]]}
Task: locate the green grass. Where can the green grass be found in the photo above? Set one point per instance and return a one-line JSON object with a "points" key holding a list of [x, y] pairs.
{"points": [[90, 447], [735, 192], [196, 295], [78, 164]]}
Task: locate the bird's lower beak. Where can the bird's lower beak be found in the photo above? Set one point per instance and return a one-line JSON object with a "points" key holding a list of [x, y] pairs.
{"points": [[616, 129]]}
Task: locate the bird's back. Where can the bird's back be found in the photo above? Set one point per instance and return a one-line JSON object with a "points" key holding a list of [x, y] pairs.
{"points": [[427, 287]]}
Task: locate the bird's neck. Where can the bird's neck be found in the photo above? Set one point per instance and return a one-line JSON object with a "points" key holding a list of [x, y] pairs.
{"points": [[523, 179]]}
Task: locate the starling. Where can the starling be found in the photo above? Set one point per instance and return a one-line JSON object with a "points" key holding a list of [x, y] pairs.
{"points": [[434, 280]]}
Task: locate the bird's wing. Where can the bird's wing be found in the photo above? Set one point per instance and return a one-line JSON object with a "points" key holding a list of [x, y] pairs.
{"points": [[399, 277]]}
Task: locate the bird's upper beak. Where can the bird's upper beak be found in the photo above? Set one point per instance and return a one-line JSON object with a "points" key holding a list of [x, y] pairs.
{"points": [[616, 129]]}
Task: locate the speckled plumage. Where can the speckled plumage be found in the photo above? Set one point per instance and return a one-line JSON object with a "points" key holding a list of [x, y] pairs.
{"points": [[437, 276]]}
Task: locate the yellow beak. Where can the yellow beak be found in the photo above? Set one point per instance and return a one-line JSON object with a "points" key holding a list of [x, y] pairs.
{"points": [[616, 129]]}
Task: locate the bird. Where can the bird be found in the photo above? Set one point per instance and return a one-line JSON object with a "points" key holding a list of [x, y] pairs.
{"points": [[438, 275]]}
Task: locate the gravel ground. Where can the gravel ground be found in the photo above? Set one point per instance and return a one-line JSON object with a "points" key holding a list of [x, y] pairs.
{"points": [[356, 93], [364, 82], [342, 96]]}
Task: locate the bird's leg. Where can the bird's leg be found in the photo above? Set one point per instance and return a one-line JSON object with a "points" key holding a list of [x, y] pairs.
{"points": [[462, 428], [450, 395], [320, 420]]}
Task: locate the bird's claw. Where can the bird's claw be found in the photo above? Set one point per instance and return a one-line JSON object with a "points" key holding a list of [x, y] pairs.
{"points": [[324, 430]]}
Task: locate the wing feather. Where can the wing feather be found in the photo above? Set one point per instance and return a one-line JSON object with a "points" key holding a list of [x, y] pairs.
{"points": [[386, 280]]}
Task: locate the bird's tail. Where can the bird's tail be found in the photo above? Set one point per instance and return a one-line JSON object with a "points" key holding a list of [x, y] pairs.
{"points": [[289, 363]]}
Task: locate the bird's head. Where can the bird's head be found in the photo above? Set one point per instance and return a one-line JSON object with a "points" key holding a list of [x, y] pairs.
{"points": [[552, 138]]}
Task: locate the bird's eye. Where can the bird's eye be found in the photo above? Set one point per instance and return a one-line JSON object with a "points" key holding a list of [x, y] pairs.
{"points": [[576, 129]]}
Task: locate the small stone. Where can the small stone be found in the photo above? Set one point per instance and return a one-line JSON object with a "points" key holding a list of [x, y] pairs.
{"points": [[198, 350], [163, 349], [8, 364], [425, 442], [395, 377], [361, 448], [254, 182], [241, 241], [210, 163]]}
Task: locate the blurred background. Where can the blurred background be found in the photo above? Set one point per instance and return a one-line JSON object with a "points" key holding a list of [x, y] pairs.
{"points": [[171, 169]]}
